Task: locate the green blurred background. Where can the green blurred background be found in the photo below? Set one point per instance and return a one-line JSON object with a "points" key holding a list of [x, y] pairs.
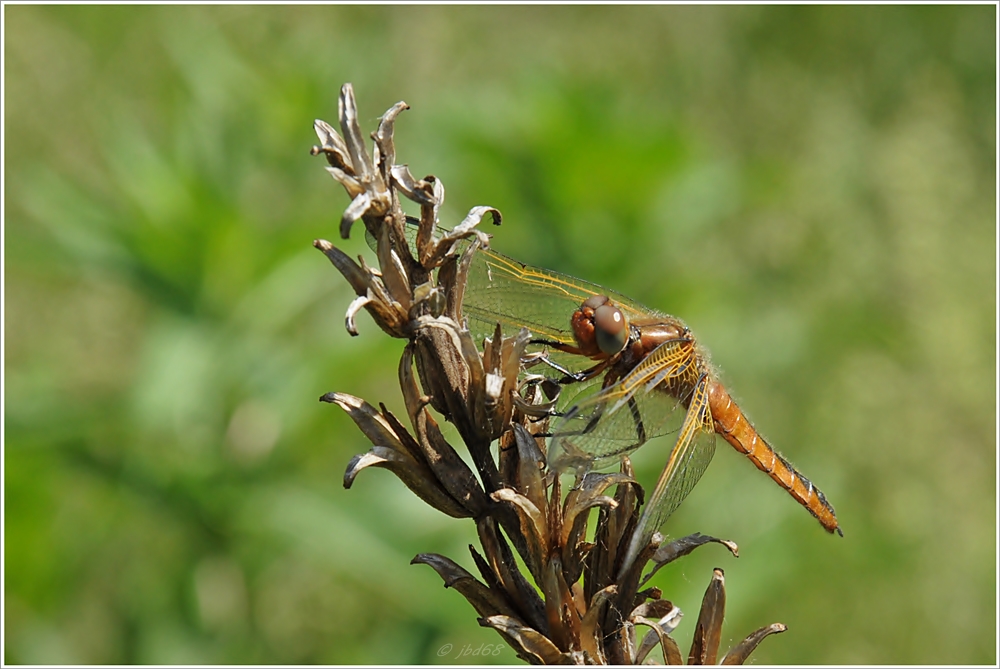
{"points": [[811, 189]]}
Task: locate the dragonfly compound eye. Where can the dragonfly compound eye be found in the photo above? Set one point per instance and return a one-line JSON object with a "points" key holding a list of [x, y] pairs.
{"points": [[594, 302], [610, 328]]}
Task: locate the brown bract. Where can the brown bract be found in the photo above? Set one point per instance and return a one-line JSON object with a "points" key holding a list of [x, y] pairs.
{"points": [[572, 605]]}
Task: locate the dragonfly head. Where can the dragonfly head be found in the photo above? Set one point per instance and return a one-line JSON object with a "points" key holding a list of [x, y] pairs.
{"points": [[600, 327]]}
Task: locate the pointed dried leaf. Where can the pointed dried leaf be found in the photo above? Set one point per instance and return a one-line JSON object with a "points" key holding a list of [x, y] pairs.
{"points": [[359, 205], [405, 438], [454, 475], [671, 651], [530, 463], [381, 297], [502, 563], [491, 349], [348, 113], [578, 599], [596, 571], [457, 289], [742, 651], [332, 146], [467, 228], [533, 527], [390, 453], [443, 371], [350, 183], [681, 547], [655, 636], [429, 217], [385, 314], [486, 602], [359, 279], [356, 305], [708, 631], [612, 529], [368, 419], [481, 428], [560, 607], [663, 617], [491, 579], [393, 273], [429, 211], [657, 608], [511, 351], [574, 548], [527, 642], [629, 581], [415, 476], [584, 497], [383, 136], [591, 634], [627, 637], [418, 190]]}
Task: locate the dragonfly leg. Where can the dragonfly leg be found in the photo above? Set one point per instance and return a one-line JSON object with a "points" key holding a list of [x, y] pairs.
{"points": [[576, 377], [557, 345], [609, 380], [568, 376], [594, 419], [586, 374], [640, 429], [589, 427], [554, 365]]}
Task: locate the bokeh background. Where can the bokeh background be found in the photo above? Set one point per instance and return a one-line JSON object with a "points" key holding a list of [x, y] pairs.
{"points": [[811, 189]]}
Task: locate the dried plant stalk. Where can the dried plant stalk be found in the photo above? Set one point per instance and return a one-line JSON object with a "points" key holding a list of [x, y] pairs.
{"points": [[576, 607]]}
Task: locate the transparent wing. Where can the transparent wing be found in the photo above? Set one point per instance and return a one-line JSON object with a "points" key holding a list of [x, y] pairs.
{"points": [[690, 457], [651, 400], [514, 294], [504, 290]]}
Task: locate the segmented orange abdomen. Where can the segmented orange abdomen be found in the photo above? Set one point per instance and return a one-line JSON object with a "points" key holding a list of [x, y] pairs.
{"points": [[733, 425]]}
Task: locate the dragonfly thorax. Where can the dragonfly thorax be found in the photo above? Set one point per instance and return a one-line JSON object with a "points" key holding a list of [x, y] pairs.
{"points": [[652, 334]]}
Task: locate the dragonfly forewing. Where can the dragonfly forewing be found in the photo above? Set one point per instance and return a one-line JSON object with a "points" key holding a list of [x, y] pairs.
{"points": [[506, 291]]}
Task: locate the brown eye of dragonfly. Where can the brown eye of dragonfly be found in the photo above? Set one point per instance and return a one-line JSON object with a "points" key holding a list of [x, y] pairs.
{"points": [[609, 327]]}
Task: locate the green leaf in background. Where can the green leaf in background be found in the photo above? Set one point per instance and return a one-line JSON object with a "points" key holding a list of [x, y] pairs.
{"points": [[811, 188]]}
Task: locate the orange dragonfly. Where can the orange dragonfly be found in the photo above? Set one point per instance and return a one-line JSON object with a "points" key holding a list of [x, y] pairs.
{"points": [[654, 378]]}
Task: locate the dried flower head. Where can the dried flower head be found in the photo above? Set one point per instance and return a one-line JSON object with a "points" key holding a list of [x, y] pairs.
{"points": [[583, 603]]}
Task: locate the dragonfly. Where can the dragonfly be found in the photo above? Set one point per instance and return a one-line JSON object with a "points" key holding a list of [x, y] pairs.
{"points": [[640, 373]]}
